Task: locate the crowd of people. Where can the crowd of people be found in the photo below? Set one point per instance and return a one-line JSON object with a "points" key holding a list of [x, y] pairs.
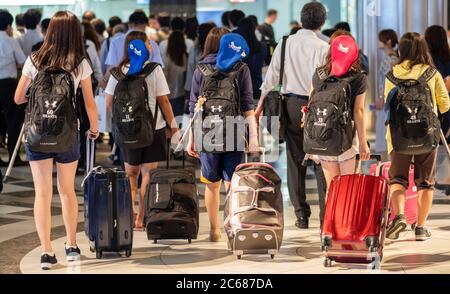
{"points": [[97, 54]]}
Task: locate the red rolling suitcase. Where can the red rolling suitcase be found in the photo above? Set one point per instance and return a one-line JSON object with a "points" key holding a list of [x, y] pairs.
{"points": [[411, 193], [356, 218]]}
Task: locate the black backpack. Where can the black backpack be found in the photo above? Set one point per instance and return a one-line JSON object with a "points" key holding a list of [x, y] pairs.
{"points": [[222, 95], [412, 121], [51, 124], [328, 129], [133, 123]]}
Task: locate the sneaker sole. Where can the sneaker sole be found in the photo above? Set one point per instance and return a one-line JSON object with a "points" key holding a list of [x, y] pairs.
{"points": [[422, 237], [46, 266], [395, 233], [70, 258]]}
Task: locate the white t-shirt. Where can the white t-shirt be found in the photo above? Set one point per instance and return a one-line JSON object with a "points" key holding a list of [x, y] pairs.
{"points": [[84, 71], [156, 85]]}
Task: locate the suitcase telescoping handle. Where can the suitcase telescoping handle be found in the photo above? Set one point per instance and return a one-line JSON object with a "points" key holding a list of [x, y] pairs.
{"points": [[358, 162], [261, 151], [444, 143], [90, 150], [168, 155], [14, 155]]}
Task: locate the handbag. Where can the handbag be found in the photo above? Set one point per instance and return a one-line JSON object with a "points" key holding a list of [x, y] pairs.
{"points": [[274, 104]]}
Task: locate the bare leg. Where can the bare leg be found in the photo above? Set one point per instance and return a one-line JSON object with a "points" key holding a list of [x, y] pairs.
{"points": [[212, 202], [330, 170], [66, 189], [145, 168], [347, 167], [133, 173], [398, 198], [424, 203], [42, 178]]}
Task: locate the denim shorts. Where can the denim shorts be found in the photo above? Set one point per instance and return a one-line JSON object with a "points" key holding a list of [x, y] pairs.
{"points": [[65, 157], [219, 166]]}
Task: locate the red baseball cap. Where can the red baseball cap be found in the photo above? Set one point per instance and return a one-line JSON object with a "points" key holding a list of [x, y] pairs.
{"points": [[344, 52]]}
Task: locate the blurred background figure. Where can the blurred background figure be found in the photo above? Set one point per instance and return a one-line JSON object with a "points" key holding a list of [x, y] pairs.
{"points": [[44, 26], [88, 15], [20, 26], [32, 36], [100, 29], [191, 28]]}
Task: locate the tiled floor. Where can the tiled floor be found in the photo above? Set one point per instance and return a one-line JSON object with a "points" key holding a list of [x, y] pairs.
{"points": [[300, 252]]}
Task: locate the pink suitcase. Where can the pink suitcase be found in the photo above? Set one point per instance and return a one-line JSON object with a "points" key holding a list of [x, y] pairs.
{"points": [[411, 193]]}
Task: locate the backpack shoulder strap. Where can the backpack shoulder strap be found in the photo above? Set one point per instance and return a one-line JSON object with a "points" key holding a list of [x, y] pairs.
{"points": [[117, 73], [322, 74], [428, 75], [283, 59], [148, 69], [206, 69], [391, 77]]}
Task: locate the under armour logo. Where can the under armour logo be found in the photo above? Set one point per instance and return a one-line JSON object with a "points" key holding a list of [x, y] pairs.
{"points": [[343, 49], [216, 109], [322, 112], [47, 104], [234, 47], [128, 108], [413, 113]]}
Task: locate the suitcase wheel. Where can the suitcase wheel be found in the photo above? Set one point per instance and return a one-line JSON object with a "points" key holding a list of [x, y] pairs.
{"points": [[272, 256], [99, 254], [327, 262], [189, 241], [373, 249], [128, 252], [155, 241], [92, 249], [238, 256], [413, 226]]}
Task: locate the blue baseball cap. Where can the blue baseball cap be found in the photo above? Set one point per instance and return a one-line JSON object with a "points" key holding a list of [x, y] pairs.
{"points": [[233, 48], [138, 54]]}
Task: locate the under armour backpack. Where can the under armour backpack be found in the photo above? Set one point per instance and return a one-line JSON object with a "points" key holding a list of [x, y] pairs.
{"points": [[133, 124], [328, 124], [412, 121], [51, 124], [221, 108]]}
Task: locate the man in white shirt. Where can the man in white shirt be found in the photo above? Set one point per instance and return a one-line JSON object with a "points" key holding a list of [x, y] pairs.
{"points": [[11, 59], [32, 36], [177, 24], [305, 51]]}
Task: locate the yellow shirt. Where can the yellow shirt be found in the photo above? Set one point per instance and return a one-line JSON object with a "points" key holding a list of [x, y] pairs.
{"points": [[439, 92]]}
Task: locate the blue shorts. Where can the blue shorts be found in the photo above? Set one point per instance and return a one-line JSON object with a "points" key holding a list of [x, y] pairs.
{"points": [[219, 166], [64, 157]]}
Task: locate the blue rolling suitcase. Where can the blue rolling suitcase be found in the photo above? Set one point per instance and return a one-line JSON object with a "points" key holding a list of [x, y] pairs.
{"points": [[108, 209]]}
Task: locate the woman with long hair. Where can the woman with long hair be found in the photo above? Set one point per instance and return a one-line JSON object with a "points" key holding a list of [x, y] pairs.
{"points": [[141, 161], [350, 68], [63, 48], [175, 61], [258, 52], [414, 62]]}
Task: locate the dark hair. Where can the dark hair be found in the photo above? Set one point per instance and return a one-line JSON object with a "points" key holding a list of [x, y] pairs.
{"points": [[212, 43], [99, 26], [254, 19], [90, 34], [329, 32], [191, 28], [388, 35], [295, 29], [31, 18], [246, 29], [176, 48], [313, 16], [356, 66], [44, 25], [294, 23], [203, 31], [112, 22], [344, 26], [6, 19], [133, 35], [88, 15], [138, 17], [414, 48], [436, 38], [271, 12], [63, 45], [164, 20], [19, 20], [226, 19], [177, 24], [235, 16]]}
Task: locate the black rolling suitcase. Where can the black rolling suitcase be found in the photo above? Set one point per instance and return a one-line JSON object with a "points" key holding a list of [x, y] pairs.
{"points": [[171, 201], [108, 209]]}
